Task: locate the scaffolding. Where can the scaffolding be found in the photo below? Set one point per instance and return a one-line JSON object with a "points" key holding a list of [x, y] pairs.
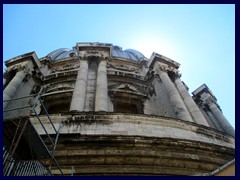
{"points": [[19, 132]]}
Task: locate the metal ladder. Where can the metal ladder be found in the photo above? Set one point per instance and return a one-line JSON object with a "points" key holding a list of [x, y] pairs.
{"points": [[21, 126], [54, 143]]}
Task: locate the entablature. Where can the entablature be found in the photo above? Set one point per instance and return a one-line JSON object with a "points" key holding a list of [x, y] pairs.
{"points": [[31, 56], [94, 50]]}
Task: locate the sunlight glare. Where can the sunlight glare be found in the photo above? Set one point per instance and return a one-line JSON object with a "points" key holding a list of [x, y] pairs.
{"points": [[161, 46]]}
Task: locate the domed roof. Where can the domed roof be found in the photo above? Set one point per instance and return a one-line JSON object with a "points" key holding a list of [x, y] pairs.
{"points": [[131, 54], [61, 53], [135, 53]]}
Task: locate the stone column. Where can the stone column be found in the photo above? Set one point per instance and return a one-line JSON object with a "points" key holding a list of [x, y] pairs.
{"points": [[190, 104], [4, 81], [5, 78], [175, 98], [79, 92], [101, 100], [12, 87], [226, 126]]}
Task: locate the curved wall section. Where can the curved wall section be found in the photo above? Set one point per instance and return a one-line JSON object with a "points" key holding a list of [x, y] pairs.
{"points": [[113, 111], [110, 143]]}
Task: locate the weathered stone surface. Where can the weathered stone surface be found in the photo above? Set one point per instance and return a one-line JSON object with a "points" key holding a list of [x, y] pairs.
{"points": [[112, 154], [190, 104], [79, 92], [121, 114], [135, 125], [101, 101]]}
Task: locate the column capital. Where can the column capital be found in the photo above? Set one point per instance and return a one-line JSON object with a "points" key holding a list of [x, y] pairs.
{"points": [[175, 76], [209, 100], [84, 58], [6, 74], [23, 68], [102, 59], [178, 75], [160, 69]]}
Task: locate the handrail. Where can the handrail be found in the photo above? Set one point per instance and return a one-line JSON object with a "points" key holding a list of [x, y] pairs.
{"points": [[54, 143], [38, 98], [13, 99]]}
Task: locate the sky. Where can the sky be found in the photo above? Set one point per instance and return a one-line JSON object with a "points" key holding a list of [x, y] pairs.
{"points": [[199, 37]]}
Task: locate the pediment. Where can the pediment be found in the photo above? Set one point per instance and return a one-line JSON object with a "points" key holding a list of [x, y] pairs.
{"points": [[126, 88]]}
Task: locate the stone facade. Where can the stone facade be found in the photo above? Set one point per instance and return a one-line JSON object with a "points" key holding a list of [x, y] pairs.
{"points": [[120, 113]]}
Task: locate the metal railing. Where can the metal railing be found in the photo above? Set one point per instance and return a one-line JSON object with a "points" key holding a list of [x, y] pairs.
{"points": [[11, 162], [23, 168]]}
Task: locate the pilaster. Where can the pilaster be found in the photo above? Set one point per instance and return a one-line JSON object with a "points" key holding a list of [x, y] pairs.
{"points": [[101, 100], [79, 92], [13, 85], [226, 126], [175, 98], [188, 101]]}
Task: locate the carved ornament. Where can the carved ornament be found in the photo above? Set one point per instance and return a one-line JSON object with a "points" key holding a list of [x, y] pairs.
{"points": [[65, 68], [123, 68]]}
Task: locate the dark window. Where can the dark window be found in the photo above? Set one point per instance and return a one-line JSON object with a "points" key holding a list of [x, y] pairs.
{"points": [[126, 108], [127, 103], [58, 103]]}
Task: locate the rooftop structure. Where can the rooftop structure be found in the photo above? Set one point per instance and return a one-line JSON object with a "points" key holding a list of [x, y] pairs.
{"points": [[96, 109]]}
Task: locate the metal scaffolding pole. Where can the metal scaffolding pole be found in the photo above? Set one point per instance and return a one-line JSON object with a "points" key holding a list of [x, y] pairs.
{"points": [[26, 167]]}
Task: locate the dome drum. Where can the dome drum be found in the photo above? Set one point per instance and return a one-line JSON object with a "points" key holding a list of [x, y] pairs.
{"points": [[109, 111]]}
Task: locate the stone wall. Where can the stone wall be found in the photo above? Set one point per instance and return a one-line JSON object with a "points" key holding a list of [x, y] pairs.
{"points": [[115, 144]]}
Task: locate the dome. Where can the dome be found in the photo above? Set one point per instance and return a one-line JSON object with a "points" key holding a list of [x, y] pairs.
{"points": [[61, 53], [131, 54], [135, 53]]}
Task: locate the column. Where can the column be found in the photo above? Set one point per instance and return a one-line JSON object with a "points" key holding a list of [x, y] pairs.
{"points": [[226, 126], [4, 79], [101, 100], [190, 104], [175, 98], [79, 92], [12, 87]]}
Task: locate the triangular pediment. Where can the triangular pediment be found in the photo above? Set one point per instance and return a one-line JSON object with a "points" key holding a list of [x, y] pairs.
{"points": [[124, 87]]}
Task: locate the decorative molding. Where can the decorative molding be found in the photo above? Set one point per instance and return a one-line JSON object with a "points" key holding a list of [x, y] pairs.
{"points": [[175, 75], [6, 75], [19, 67], [165, 68], [208, 101], [161, 68], [123, 68], [65, 67]]}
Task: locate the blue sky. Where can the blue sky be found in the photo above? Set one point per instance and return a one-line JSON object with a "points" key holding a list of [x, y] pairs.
{"points": [[200, 37]]}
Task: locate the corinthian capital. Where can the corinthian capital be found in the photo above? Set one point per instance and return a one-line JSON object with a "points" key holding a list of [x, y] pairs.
{"points": [[160, 69], [6, 74], [20, 67], [209, 100], [178, 75], [175, 75]]}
